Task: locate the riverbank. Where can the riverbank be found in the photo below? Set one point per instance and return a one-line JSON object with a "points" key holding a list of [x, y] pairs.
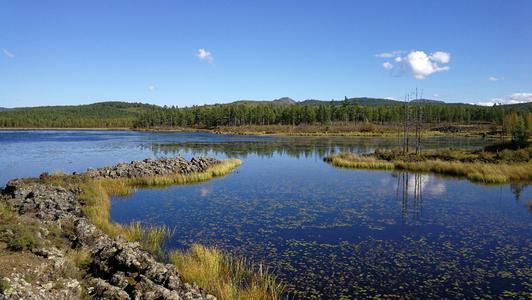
{"points": [[56, 240], [317, 130], [476, 165]]}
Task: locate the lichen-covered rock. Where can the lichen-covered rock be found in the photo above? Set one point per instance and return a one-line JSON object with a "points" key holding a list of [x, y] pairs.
{"points": [[154, 167], [47, 202]]}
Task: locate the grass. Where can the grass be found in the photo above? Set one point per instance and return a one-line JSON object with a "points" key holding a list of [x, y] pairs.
{"points": [[335, 129], [349, 160], [4, 285], [228, 277], [17, 235], [475, 166]]}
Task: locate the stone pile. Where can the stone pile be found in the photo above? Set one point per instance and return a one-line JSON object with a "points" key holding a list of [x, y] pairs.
{"points": [[154, 167]]}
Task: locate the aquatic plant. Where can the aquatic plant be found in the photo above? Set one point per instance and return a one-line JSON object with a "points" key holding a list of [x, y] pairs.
{"points": [[228, 277]]}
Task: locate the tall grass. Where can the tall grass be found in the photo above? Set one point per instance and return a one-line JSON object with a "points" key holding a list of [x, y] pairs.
{"points": [[349, 160], [490, 173], [227, 277]]}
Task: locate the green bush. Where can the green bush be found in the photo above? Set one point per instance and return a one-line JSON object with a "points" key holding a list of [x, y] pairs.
{"points": [[4, 285], [19, 237]]}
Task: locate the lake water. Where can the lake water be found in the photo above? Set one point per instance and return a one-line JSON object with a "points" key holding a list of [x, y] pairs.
{"points": [[326, 232]]}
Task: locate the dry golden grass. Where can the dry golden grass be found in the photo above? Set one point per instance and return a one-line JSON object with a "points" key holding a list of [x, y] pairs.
{"points": [[476, 171], [228, 277], [349, 160]]}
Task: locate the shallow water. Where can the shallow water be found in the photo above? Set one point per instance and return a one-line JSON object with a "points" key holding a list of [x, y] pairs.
{"points": [[325, 231]]}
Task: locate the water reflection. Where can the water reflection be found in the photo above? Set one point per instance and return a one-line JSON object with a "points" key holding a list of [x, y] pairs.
{"points": [[517, 188], [410, 192], [298, 147]]}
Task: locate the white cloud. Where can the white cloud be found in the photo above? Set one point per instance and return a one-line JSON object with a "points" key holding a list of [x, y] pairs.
{"points": [[441, 57], [389, 54], [423, 65], [152, 88], [387, 65], [514, 98], [419, 63], [8, 54], [426, 183], [205, 191], [495, 78], [205, 55]]}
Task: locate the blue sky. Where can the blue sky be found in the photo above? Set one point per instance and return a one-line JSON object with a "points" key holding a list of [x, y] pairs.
{"points": [[196, 52]]}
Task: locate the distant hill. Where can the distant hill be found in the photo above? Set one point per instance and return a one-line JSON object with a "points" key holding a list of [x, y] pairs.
{"points": [[3, 108], [362, 101], [102, 114], [428, 101], [280, 101]]}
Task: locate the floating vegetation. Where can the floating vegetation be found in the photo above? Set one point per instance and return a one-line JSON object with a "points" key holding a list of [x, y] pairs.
{"points": [[226, 276], [468, 166]]}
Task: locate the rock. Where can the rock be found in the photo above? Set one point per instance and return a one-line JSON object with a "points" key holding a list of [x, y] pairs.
{"points": [[104, 290], [152, 167]]}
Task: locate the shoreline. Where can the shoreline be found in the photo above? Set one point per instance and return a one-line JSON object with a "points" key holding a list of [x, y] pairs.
{"points": [[426, 134]]}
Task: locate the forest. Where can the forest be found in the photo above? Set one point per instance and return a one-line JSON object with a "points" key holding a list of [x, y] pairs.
{"points": [[97, 115], [237, 114]]}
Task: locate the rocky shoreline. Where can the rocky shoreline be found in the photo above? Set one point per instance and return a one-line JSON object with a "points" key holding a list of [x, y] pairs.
{"points": [[118, 269]]}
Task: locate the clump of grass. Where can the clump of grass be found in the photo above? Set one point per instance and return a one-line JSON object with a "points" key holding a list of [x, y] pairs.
{"points": [[81, 258], [490, 173], [227, 277], [16, 234], [151, 238], [349, 160], [4, 285]]}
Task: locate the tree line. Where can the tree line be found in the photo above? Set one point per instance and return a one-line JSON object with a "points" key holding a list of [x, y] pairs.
{"points": [[120, 114], [97, 115], [269, 114]]}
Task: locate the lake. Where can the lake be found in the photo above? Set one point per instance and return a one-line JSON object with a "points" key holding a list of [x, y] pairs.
{"points": [[326, 232]]}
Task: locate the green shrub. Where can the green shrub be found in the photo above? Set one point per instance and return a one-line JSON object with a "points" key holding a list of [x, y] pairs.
{"points": [[4, 285], [19, 237]]}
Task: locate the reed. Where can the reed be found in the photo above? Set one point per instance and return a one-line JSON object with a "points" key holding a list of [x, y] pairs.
{"points": [[228, 277], [490, 173], [348, 160]]}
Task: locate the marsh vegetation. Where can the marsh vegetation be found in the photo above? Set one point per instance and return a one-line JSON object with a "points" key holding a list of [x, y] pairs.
{"points": [[476, 165]]}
